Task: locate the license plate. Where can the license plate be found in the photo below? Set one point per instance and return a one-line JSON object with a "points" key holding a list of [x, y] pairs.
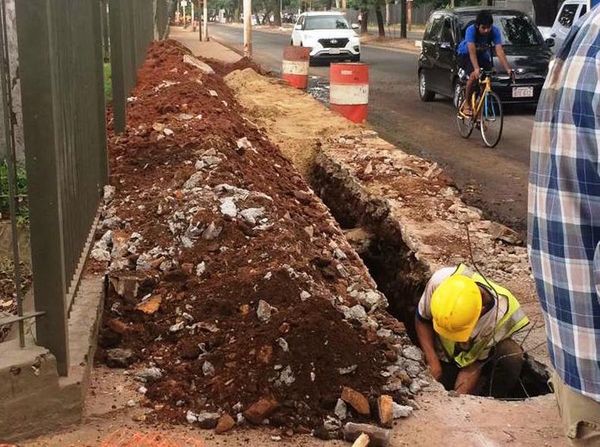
{"points": [[522, 92], [334, 51]]}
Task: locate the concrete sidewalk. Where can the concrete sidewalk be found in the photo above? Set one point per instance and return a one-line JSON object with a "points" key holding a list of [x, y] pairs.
{"points": [[210, 49]]}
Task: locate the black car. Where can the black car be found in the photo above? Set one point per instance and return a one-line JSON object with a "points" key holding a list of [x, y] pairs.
{"points": [[527, 53]]}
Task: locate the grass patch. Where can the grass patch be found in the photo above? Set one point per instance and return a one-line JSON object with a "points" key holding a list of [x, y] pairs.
{"points": [[22, 208], [107, 82]]}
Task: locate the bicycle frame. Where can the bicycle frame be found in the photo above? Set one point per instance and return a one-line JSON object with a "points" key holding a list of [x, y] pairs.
{"points": [[478, 105]]}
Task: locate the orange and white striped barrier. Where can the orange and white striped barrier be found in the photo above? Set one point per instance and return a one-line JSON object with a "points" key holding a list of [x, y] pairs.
{"points": [[349, 90], [295, 66]]}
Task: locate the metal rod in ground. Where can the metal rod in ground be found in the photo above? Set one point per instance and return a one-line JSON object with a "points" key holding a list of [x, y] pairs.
{"points": [[11, 164]]}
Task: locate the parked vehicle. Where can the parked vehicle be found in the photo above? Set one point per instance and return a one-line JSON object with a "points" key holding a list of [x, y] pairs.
{"points": [[329, 36], [570, 11], [526, 50]]}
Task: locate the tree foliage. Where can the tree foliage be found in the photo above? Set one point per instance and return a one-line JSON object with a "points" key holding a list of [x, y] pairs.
{"points": [[545, 10]]}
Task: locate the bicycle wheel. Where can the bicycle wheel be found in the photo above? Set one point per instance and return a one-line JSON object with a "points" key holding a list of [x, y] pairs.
{"points": [[492, 119], [464, 123]]}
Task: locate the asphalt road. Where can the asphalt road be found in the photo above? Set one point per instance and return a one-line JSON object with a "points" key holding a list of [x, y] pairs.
{"points": [[494, 180]]}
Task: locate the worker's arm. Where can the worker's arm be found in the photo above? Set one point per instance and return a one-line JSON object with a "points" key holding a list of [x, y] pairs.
{"points": [[426, 337], [502, 56], [473, 56], [466, 381]]}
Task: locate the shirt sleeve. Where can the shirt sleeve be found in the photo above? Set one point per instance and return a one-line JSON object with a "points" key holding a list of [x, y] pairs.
{"points": [[424, 307], [470, 35], [496, 36]]}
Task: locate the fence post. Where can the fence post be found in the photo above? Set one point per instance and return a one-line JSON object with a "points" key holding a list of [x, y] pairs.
{"points": [[116, 11], [105, 29], [37, 66], [98, 9]]}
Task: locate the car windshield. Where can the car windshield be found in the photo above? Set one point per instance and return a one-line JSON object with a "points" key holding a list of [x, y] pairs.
{"points": [[516, 30], [326, 22]]}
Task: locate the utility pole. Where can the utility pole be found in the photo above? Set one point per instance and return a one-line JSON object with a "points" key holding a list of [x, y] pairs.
{"points": [[193, 20], [248, 28], [205, 17]]}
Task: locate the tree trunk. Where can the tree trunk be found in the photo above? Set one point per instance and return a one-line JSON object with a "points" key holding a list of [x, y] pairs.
{"points": [[267, 17], [328, 5], [379, 16], [365, 18], [545, 11], [277, 13], [237, 11], [404, 19]]}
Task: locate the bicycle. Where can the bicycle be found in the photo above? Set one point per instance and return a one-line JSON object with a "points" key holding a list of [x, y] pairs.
{"points": [[486, 110]]}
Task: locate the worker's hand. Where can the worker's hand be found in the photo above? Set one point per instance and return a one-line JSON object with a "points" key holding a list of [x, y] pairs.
{"points": [[435, 368], [477, 72]]}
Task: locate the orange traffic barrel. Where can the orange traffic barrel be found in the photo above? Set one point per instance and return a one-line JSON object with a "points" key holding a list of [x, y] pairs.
{"points": [[295, 66], [349, 90]]}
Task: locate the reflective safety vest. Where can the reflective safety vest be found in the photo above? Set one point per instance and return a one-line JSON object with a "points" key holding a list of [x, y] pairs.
{"points": [[513, 320]]}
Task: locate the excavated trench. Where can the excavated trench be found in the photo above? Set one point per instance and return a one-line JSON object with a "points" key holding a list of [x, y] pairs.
{"points": [[399, 275]]}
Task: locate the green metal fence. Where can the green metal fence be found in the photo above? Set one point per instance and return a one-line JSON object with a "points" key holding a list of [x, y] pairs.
{"points": [[62, 90], [133, 25], [60, 64]]}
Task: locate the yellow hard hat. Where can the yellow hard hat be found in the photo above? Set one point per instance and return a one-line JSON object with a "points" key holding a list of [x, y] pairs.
{"points": [[455, 307]]}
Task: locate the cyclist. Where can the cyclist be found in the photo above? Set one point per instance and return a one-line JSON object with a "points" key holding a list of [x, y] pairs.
{"points": [[474, 52]]}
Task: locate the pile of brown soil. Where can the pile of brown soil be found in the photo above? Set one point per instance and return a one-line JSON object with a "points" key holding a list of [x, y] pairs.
{"points": [[229, 275]]}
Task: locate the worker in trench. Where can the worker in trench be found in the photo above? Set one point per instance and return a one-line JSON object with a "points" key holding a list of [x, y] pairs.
{"points": [[464, 323]]}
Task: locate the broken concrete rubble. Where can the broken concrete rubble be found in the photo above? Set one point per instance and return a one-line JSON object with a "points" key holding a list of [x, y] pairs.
{"points": [[260, 410], [119, 358], [379, 437], [356, 400], [148, 374], [385, 410], [226, 423]]}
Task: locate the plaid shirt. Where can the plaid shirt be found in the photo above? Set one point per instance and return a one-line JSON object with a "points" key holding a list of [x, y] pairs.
{"points": [[564, 207]]}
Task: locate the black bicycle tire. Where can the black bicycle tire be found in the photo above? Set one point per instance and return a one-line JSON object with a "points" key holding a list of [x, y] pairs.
{"points": [[482, 126]]}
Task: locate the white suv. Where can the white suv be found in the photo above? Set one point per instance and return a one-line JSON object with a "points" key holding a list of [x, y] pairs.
{"points": [[328, 35]]}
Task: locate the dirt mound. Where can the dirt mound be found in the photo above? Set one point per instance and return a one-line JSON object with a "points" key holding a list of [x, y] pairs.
{"points": [[285, 122], [224, 69], [233, 289]]}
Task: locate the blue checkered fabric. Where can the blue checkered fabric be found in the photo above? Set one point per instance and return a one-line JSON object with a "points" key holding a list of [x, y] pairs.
{"points": [[564, 207]]}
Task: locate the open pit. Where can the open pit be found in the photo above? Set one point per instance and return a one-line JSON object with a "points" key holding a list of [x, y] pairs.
{"points": [[402, 214]]}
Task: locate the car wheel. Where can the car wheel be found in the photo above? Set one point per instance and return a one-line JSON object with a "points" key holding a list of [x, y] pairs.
{"points": [[424, 93], [457, 92], [292, 42]]}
